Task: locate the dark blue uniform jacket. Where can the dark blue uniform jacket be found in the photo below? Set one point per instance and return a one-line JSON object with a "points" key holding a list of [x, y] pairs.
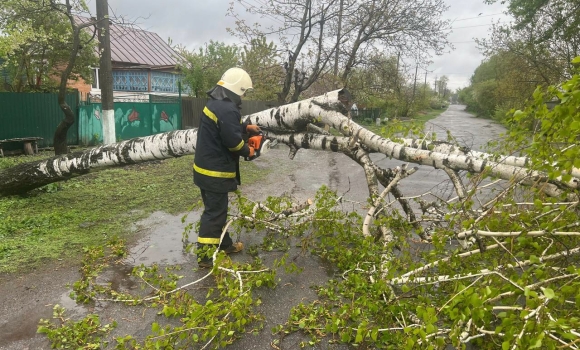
{"points": [[220, 143]]}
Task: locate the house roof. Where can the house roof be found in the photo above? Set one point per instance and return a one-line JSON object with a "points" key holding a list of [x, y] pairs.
{"points": [[139, 47]]}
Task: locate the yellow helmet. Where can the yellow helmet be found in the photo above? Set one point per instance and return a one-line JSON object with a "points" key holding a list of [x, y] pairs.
{"points": [[236, 80]]}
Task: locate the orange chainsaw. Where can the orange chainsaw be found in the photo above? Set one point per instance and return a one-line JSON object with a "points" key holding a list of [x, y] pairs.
{"points": [[260, 144]]}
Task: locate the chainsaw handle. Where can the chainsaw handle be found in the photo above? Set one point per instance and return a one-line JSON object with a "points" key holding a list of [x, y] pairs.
{"points": [[253, 154], [255, 142]]}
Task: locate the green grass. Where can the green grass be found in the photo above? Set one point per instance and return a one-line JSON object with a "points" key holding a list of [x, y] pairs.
{"points": [[60, 219], [426, 115], [419, 119]]}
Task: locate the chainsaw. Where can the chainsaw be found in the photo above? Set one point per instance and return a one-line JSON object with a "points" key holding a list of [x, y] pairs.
{"points": [[260, 143]]}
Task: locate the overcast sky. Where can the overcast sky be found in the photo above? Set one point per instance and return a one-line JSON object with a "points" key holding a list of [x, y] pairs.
{"points": [[193, 23]]}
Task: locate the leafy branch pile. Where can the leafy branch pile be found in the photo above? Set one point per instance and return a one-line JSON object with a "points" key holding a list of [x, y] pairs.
{"points": [[518, 291]]}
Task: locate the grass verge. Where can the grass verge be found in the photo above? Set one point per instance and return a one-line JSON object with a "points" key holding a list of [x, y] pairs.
{"points": [[57, 221], [419, 119]]}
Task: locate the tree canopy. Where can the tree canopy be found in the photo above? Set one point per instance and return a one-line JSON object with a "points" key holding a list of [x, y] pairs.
{"points": [[318, 39], [203, 69], [35, 45]]}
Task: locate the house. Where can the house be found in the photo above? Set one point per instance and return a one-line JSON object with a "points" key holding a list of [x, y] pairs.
{"points": [[142, 64]]}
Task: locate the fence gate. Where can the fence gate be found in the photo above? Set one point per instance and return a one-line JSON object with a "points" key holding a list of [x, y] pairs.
{"points": [[139, 116]]}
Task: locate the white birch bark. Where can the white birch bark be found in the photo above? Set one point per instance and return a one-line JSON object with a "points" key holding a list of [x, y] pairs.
{"points": [[31, 175], [434, 159], [447, 148]]}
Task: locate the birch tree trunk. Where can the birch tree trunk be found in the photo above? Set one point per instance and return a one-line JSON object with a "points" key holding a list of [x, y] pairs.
{"points": [[288, 124], [28, 176]]}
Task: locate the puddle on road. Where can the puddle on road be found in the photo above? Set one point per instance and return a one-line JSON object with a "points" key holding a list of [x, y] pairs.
{"points": [[71, 306], [163, 244], [25, 325], [118, 277]]}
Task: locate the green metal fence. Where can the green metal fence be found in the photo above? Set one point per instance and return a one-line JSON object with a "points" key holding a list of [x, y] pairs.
{"points": [[38, 114], [368, 115], [34, 115]]}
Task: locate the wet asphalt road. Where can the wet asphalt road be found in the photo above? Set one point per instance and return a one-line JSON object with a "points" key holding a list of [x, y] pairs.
{"points": [[26, 299]]}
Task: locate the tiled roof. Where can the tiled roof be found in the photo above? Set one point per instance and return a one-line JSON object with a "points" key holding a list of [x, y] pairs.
{"points": [[139, 47]]}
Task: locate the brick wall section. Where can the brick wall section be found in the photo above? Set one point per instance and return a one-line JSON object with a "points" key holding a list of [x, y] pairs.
{"points": [[80, 85]]}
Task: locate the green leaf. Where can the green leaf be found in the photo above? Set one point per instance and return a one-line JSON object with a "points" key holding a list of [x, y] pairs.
{"points": [[359, 336], [374, 334], [537, 344], [549, 293]]}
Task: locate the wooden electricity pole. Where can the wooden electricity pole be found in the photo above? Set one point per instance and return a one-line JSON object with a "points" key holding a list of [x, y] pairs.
{"points": [[105, 73], [415, 83], [338, 39], [425, 86]]}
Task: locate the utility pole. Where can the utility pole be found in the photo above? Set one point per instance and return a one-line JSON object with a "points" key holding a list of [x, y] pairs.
{"points": [[397, 84], [435, 86], [338, 39], [415, 83], [105, 73], [397, 76], [425, 86]]}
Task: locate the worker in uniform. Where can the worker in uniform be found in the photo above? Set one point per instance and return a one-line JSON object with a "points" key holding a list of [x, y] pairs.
{"points": [[216, 167]]}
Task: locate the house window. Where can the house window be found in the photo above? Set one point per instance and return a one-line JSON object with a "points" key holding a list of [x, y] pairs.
{"points": [[96, 78], [164, 82], [130, 81], [167, 82]]}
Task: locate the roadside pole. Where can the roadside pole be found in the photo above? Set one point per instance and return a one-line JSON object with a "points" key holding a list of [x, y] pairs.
{"points": [[105, 73]]}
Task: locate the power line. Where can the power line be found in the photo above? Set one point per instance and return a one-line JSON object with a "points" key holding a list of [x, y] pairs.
{"points": [[480, 25], [481, 16]]}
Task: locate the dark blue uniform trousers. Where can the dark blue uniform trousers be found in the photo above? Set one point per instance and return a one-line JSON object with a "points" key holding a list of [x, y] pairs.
{"points": [[213, 219]]}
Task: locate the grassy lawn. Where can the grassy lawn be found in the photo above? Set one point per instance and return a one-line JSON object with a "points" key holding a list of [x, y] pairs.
{"points": [[60, 219]]}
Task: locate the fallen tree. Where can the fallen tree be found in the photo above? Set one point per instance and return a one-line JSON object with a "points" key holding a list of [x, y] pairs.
{"points": [[286, 124]]}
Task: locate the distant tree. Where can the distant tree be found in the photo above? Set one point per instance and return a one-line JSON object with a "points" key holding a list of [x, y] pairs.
{"points": [[42, 42], [311, 32], [544, 36], [501, 82], [410, 28], [36, 45], [376, 79], [443, 91], [260, 60], [203, 69]]}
